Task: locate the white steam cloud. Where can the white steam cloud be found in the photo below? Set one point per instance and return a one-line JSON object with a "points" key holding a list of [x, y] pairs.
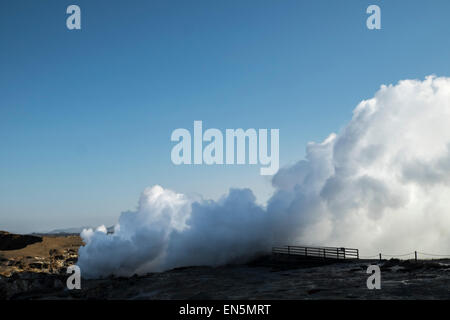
{"points": [[383, 183]]}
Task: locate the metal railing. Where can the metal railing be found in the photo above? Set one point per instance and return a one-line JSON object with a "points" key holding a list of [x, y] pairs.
{"points": [[318, 252]]}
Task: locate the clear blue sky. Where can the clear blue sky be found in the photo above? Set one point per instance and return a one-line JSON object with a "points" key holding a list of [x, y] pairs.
{"points": [[86, 116]]}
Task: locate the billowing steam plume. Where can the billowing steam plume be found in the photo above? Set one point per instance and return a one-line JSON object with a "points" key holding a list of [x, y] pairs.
{"points": [[383, 183]]}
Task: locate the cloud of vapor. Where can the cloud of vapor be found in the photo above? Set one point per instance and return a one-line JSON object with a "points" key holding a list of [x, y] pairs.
{"points": [[381, 185]]}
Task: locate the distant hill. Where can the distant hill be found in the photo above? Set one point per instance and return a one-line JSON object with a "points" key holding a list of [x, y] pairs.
{"points": [[71, 231], [74, 230]]}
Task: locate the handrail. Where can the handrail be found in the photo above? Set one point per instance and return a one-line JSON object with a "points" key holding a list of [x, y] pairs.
{"points": [[318, 252]]}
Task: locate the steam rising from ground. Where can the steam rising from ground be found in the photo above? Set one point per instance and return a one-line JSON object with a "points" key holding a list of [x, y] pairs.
{"points": [[383, 183]]}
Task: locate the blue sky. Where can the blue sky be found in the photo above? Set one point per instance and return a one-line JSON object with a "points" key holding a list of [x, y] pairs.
{"points": [[86, 115]]}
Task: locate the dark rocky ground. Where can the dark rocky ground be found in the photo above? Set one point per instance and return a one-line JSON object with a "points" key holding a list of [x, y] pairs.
{"points": [[22, 277], [9, 241]]}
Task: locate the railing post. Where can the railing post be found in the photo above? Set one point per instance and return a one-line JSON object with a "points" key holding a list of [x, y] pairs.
{"points": [[306, 252], [337, 253], [415, 255], [357, 254], [289, 250], [380, 257], [324, 253]]}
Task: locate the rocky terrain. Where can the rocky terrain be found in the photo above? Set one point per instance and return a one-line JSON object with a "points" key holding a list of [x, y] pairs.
{"points": [[46, 255], [38, 272]]}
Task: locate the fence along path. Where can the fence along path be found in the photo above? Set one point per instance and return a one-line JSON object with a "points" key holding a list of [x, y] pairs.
{"points": [[318, 252], [407, 256], [348, 253]]}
